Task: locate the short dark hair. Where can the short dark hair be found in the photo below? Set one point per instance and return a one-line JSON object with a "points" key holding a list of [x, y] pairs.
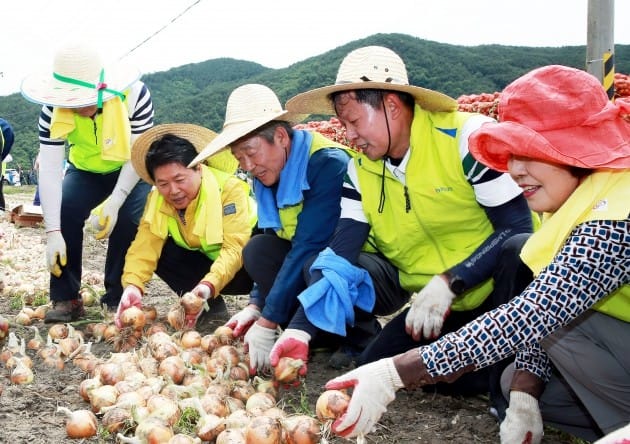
{"points": [[169, 149], [373, 97], [268, 130]]}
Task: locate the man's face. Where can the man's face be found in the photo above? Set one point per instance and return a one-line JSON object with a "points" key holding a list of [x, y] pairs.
{"points": [[365, 126], [263, 160]]}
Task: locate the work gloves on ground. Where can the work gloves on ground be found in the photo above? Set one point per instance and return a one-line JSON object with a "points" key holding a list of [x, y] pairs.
{"points": [[55, 252], [241, 321], [292, 343], [204, 291], [374, 387], [430, 307], [523, 422], [131, 297], [258, 343]]}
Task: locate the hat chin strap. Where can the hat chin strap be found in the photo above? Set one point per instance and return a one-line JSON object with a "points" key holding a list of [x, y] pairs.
{"points": [[100, 87], [381, 202]]}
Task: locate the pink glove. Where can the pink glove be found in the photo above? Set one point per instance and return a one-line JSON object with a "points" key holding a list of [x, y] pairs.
{"points": [[205, 291], [430, 307], [241, 321], [523, 422], [292, 343], [132, 296], [374, 387]]}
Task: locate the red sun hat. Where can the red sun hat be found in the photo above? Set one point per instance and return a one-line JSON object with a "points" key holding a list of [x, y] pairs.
{"points": [[556, 114]]}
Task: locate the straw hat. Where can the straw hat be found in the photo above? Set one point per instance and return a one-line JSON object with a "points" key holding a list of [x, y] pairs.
{"points": [[197, 135], [370, 67], [75, 79], [556, 114], [248, 108]]}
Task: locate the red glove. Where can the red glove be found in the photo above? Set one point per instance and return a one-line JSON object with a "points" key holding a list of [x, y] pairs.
{"points": [[132, 296], [292, 343]]}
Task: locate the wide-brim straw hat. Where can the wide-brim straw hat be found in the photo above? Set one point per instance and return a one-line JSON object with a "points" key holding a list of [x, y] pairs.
{"points": [[73, 64], [560, 115], [370, 67], [248, 108], [198, 136]]}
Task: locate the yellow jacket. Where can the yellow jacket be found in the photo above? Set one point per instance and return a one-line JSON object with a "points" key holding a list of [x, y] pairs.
{"points": [[143, 254]]}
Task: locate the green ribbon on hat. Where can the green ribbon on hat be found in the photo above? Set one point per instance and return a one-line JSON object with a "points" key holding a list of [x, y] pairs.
{"points": [[100, 86]]}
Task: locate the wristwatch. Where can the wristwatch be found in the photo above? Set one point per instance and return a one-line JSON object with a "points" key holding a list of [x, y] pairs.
{"points": [[455, 283]]}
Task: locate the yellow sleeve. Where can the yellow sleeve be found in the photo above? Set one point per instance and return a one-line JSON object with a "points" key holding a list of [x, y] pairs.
{"points": [[236, 233], [142, 256]]}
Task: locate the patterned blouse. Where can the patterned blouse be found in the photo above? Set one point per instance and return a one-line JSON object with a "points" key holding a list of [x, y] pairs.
{"points": [[593, 262]]}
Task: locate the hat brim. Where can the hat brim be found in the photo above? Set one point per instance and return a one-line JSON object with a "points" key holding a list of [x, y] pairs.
{"points": [[44, 89], [234, 131], [607, 146], [197, 135], [317, 101]]}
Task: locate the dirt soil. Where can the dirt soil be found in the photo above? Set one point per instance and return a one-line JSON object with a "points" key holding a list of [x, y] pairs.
{"points": [[27, 412]]}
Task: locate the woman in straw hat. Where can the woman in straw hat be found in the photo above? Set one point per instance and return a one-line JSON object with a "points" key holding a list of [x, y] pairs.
{"points": [[568, 148], [98, 111], [437, 217], [297, 177], [195, 224]]}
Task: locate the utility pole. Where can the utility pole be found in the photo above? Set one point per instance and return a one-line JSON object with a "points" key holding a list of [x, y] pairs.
{"points": [[600, 48]]}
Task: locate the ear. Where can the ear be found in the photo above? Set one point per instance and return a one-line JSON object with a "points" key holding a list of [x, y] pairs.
{"points": [[281, 136], [393, 105]]}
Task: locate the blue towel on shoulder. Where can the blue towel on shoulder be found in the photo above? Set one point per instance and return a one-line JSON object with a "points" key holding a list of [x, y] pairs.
{"points": [[291, 185], [329, 302]]}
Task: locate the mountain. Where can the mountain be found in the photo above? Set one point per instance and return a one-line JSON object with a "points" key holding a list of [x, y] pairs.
{"points": [[197, 93]]}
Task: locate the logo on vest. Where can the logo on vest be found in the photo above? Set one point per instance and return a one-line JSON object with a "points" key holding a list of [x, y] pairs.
{"points": [[601, 205], [443, 189]]}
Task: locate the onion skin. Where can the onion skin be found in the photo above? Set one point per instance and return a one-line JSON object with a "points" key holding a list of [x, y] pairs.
{"points": [[301, 429], [287, 370], [133, 317], [331, 404], [263, 430]]}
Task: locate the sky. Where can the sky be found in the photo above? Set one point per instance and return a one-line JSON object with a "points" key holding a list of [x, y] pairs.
{"points": [[156, 35]]}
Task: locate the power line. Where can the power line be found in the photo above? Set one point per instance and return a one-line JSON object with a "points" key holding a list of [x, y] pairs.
{"points": [[161, 29]]}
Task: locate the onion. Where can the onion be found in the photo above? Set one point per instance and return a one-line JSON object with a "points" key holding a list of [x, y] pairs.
{"points": [[181, 438], [331, 404], [22, 318], [287, 370], [117, 419], [58, 331], [237, 419], [174, 368], [228, 353], [79, 423], [4, 327], [190, 339], [225, 334], [133, 317], [240, 372], [176, 317], [150, 313], [21, 374], [153, 431], [209, 343], [103, 396], [231, 436], [88, 296], [192, 303], [156, 327], [110, 373], [242, 390], [214, 404], [40, 311], [263, 430], [259, 402], [301, 429], [87, 385]]}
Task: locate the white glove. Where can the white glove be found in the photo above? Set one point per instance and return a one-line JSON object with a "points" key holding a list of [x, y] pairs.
{"points": [[127, 179], [429, 309], [523, 421], [258, 342], [374, 386], [132, 296], [241, 321], [205, 292], [619, 436], [55, 252]]}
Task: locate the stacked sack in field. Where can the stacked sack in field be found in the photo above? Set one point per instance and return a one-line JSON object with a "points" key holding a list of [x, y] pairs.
{"points": [[332, 129], [622, 85]]}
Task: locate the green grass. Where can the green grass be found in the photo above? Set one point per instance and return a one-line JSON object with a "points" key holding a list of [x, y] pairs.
{"points": [[24, 189]]}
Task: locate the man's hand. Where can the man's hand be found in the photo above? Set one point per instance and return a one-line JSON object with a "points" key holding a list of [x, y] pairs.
{"points": [[203, 291], [131, 297], [523, 422], [292, 343], [241, 321], [258, 342], [429, 309], [374, 387], [55, 252]]}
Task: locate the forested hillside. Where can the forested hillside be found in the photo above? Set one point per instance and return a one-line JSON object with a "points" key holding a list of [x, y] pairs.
{"points": [[196, 93]]}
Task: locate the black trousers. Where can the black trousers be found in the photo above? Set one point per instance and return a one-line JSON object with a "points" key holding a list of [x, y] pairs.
{"points": [[511, 276], [183, 269]]}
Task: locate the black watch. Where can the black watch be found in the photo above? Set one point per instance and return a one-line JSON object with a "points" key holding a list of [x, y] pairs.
{"points": [[455, 283]]}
